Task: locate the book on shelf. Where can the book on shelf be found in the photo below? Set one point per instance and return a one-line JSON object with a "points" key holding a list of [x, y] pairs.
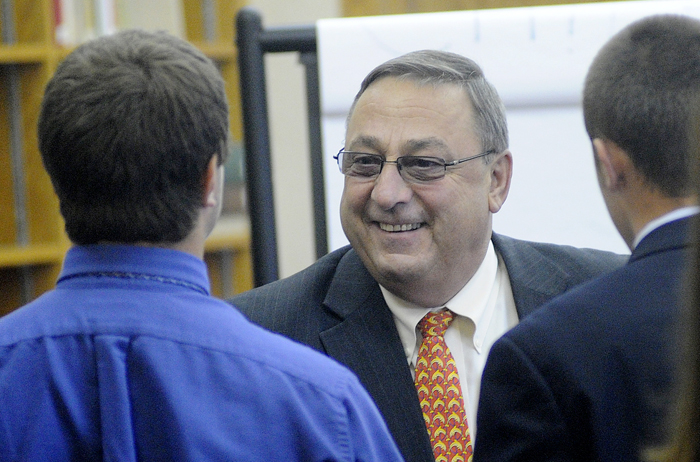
{"points": [[80, 20]]}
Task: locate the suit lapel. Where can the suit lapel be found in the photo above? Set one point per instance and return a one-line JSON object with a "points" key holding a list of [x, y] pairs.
{"points": [[366, 340], [533, 278]]}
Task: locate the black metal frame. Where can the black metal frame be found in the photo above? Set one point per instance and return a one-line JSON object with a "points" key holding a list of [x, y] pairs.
{"points": [[253, 41]]}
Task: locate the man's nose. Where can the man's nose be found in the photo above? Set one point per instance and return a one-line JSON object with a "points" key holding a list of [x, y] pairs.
{"points": [[390, 188]]}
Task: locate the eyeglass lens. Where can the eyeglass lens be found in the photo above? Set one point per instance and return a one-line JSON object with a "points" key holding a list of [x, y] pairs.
{"points": [[370, 165]]}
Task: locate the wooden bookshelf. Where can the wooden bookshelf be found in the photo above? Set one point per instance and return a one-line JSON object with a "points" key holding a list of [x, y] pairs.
{"points": [[32, 239]]}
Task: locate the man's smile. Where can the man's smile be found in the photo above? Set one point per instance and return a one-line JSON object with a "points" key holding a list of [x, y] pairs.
{"points": [[398, 228]]}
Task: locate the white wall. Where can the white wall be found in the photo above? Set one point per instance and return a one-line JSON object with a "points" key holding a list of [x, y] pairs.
{"points": [[289, 134]]}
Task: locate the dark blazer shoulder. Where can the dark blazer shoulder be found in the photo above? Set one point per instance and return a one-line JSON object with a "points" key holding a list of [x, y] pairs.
{"points": [[286, 304], [540, 271]]}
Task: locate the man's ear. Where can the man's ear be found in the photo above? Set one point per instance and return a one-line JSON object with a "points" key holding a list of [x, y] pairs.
{"points": [[211, 179], [501, 173], [612, 163]]}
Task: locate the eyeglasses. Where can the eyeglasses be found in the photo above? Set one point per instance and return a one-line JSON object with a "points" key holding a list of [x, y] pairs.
{"points": [[411, 168]]}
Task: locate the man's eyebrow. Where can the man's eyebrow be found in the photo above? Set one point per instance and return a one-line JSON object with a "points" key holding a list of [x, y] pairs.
{"points": [[409, 147], [366, 142], [412, 146]]}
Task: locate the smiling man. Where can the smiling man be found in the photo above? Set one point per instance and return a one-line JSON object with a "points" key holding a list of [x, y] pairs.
{"points": [[424, 281], [421, 239]]}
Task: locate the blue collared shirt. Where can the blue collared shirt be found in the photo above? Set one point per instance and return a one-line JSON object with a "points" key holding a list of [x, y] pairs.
{"points": [[130, 358]]}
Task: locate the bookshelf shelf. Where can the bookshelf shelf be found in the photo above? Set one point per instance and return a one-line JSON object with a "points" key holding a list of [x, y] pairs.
{"points": [[24, 54], [32, 239], [37, 254]]}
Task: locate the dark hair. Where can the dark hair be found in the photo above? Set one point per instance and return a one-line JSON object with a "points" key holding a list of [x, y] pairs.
{"points": [[128, 125], [638, 94], [433, 67]]}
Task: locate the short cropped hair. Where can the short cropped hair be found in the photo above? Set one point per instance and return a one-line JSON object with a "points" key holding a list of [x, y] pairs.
{"points": [[128, 126], [639, 93], [433, 67]]}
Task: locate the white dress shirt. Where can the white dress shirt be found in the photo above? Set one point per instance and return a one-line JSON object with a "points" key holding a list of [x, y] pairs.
{"points": [[485, 310]]}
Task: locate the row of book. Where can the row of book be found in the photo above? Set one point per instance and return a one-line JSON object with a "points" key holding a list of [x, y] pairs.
{"points": [[80, 20]]}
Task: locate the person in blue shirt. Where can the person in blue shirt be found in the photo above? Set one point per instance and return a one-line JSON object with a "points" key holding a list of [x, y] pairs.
{"points": [[130, 357]]}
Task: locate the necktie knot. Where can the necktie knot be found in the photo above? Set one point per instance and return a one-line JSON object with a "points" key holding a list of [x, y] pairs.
{"points": [[435, 323]]}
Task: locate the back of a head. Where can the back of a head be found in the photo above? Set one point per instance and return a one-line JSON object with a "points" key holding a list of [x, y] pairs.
{"points": [[128, 124], [639, 92], [433, 67]]}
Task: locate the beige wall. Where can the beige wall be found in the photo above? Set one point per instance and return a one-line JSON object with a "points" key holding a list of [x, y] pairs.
{"points": [[289, 134]]}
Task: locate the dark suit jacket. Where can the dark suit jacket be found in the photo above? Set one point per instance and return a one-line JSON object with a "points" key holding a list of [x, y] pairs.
{"points": [[336, 307], [586, 377]]}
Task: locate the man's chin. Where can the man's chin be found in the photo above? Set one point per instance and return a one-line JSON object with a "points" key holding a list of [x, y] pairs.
{"points": [[397, 268]]}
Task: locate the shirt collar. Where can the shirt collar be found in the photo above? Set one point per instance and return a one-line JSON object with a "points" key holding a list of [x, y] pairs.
{"points": [[674, 215], [471, 302], [156, 263]]}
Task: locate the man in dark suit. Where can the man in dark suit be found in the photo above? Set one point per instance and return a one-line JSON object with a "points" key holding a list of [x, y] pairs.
{"points": [[587, 377], [426, 164]]}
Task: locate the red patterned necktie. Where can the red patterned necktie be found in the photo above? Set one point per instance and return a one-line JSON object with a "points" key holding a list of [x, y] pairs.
{"points": [[440, 394]]}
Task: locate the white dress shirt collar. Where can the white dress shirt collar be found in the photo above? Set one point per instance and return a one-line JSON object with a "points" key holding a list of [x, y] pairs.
{"points": [[674, 215], [470, 302]]}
